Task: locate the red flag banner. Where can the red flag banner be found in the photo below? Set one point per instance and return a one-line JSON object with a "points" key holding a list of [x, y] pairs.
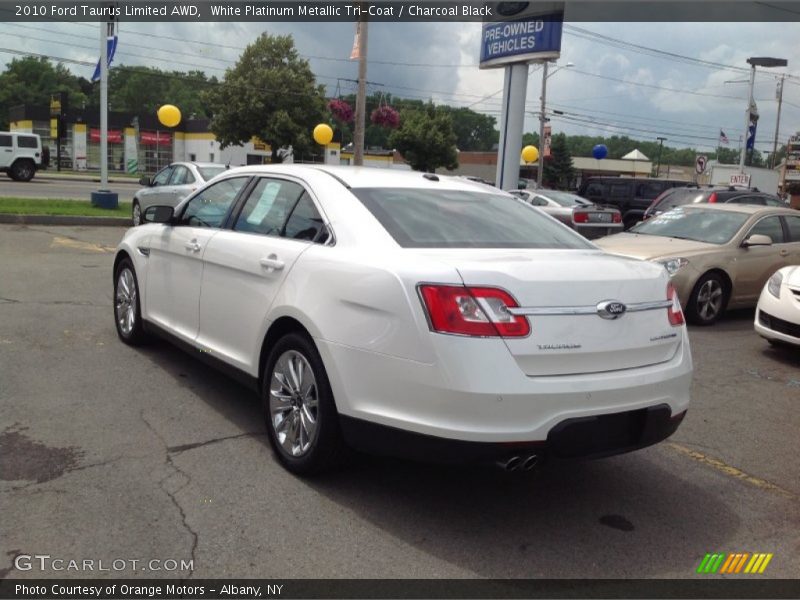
{"points": [[153, 138], [114, 136]]}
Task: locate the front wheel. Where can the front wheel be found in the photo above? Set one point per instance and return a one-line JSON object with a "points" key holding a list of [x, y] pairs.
{"points": [[127, 309], [708, 300], [300, 413], [136, 213]]}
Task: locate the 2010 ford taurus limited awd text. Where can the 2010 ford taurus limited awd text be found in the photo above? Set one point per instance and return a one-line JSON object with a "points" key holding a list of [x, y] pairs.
{"points": [[409, 314]]}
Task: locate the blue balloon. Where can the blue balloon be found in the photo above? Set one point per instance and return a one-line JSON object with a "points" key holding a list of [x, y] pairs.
{"points": [[600, 151]]}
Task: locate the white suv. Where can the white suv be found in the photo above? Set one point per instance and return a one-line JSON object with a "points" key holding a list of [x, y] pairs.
{"points": [[20, 154]]}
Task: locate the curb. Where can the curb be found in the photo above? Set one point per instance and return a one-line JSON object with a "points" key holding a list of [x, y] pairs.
{"points": [[65, 220], [90, 178]]}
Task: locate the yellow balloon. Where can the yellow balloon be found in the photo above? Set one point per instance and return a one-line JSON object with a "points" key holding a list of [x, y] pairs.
{"points": [[169, 115], [323, 134], [530, 154]]}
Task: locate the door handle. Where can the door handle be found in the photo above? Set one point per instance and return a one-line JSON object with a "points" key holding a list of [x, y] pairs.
{"points": [[272, 262], [784, 252], [192, 246]]}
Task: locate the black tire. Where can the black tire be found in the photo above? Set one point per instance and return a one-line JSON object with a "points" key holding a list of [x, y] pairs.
{"points": [[136, 213], [708, 300], [23, 169], [326, 448], [135, 335]]}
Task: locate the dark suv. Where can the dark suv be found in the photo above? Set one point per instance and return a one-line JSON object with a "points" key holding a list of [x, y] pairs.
{"points": [[630, 195], [694, 195]]}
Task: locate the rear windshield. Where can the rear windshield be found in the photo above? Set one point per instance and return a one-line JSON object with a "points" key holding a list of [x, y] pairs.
{"points": [[428, 218], [210, 172], [565, 198], [711, 226]]}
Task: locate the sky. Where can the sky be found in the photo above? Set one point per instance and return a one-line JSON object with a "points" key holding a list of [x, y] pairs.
{"points": [[613, 87]]}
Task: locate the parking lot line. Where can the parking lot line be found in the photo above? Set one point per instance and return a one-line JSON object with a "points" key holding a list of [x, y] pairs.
{"points": [[730, 471]]}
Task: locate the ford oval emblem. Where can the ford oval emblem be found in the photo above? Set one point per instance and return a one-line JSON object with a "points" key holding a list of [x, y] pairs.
{"points": [[509, 9], [611, 309]]}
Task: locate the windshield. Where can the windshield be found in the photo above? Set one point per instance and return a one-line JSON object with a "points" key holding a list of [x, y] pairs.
{"points": [[428, 218], [210, 172], [565, 198], [711, 226]]}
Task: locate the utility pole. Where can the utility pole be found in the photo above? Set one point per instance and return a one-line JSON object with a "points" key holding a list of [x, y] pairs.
{"points": [[542, 120], [361, 97], [661, 141], [777, 122]]}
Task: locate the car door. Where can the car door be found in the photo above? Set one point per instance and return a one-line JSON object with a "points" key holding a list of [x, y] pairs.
{"points": [[246, 266], [154, 194], [757, 263], [175, 264], [176, 189], [6, 150], [793, 243]]}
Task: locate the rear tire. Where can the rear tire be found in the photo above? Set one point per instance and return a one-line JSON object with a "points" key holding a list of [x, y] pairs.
{"points": [[23, 170], [127, 308], [299, 409], [708, 300]]}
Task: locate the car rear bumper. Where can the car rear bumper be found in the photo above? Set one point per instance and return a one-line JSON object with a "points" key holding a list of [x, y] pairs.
{"points": [[583, 437], [476, 392]]}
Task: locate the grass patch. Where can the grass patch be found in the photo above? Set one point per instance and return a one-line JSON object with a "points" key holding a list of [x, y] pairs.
{"points": [[52, 206]]}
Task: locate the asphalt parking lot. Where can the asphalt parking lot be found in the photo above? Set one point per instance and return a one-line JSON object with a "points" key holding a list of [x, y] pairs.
{"points": [[109, 452]]}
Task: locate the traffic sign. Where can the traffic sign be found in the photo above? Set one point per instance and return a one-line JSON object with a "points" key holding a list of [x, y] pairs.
{"points": [[700, 164]]}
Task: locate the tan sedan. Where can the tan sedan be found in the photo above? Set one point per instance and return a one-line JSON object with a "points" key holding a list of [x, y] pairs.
{"points": [[719, 256]]}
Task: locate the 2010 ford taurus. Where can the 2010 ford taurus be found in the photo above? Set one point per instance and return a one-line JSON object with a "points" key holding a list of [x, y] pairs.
{"points": [[409, 314]]}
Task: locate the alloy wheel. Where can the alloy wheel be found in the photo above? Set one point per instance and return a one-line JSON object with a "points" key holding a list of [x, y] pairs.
{"points": [[709, 299], [294, 403], [137, 214], [125, 304]]}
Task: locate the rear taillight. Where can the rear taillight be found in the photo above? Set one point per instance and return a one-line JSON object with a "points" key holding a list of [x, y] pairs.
{"points": [[475, 311], [674, 312], [617, 217], [580, 217], [712, 198]]}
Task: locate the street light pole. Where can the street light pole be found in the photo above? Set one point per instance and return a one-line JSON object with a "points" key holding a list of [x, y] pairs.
{"points": [[750, 103], [777, 122], [542, 118], [661, 141], [361, 97]]}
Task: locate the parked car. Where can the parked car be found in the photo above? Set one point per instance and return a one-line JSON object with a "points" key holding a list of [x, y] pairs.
{"points": [[408, 314], [20, 154], [718, 255], [695, 195], [631, 196], [778, 311], [589, 220], [171, 185]]}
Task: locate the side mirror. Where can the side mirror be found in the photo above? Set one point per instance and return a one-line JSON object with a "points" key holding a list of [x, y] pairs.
{"points": [[158, 214], [145, 181], [757, 239]]}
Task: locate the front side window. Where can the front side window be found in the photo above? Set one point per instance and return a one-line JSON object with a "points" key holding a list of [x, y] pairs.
{"points": [[770, 226], [268, 206], [5, 140], [162, 177], [430, 218], [210, 207]]}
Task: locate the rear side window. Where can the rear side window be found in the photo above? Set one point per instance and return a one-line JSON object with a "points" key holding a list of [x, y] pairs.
{"points": [[793, 223], [619, 190], [5, 141], [430, 218], [305, 222], [27, 141]]}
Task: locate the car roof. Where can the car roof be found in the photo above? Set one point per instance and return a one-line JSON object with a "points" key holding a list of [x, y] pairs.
{"points": [[367, 177], [198, 164], [742, 208]]}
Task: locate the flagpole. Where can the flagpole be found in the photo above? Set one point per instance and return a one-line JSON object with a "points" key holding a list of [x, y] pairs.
{"points": [[103, 106]]}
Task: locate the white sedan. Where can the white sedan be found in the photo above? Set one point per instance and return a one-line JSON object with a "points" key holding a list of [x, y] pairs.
{"points": [[778, 312], [409, 314]]}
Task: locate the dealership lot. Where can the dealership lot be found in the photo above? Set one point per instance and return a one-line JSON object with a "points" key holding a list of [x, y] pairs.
{"points": [[112, 453]]}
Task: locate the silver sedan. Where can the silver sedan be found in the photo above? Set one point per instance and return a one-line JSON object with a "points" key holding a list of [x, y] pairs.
{"points": [[171, 185]]}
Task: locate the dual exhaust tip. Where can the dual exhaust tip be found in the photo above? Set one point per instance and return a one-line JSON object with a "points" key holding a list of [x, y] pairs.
{"points": [[525, 462]]}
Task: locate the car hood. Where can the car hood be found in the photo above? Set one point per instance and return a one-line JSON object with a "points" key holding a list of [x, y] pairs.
{"points": [[791, 276], [652, 246]]}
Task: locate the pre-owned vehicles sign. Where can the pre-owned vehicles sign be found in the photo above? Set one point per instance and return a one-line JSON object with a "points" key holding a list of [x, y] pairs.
{"points": [[521, 41]]}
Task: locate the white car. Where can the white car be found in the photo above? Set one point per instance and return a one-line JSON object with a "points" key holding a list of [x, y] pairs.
{"points": [[20, 154], [409, 314], [778, 312]]}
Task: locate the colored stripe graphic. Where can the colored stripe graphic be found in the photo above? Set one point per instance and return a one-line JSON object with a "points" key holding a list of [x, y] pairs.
{"points": [[734, 563]]}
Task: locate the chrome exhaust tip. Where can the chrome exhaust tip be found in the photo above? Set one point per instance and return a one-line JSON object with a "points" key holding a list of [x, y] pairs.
{"points": [[530, 462], [510, 464]]}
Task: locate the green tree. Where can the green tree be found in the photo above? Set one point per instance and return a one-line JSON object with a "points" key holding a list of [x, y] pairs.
{"points": [[30, 80], [270, 93], [141, 90], [474, 131], [426, 139], [558, 169]]}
